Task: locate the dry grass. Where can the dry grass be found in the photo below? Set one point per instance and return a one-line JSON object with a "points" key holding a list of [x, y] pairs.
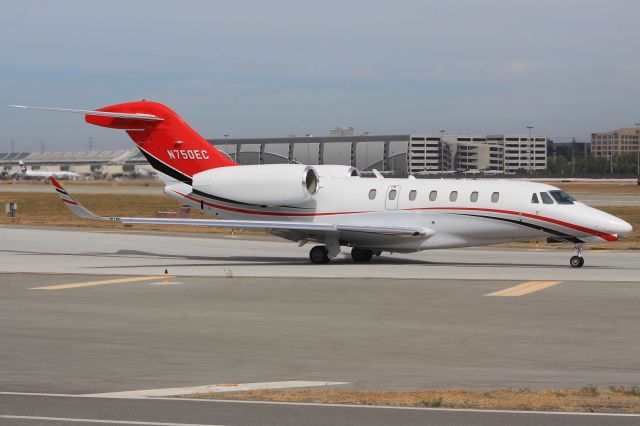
{"points": [[46, 209], [587, 399], [597, 187], [90, 182]]}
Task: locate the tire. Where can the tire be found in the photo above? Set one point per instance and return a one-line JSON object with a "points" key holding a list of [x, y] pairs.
{"points": [[319, 255], [576, 261], [361, 255]]}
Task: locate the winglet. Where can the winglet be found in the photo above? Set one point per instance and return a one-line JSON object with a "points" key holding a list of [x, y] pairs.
{"points": [[75, 207]]}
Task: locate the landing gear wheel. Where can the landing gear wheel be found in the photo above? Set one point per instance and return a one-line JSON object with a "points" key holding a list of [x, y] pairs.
{"points": [[319, 254], [361, 255], [576, 261]]}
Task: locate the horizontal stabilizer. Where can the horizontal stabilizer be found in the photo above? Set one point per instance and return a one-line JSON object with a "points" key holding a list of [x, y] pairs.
{"points": [[143, 117]]}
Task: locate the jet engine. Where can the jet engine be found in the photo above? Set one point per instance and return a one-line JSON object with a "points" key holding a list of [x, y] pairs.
{"points": [[265, 184]]}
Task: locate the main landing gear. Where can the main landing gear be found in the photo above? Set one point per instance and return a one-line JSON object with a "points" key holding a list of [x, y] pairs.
{"points": [[361, 255], [577, 260], [320, 255]]}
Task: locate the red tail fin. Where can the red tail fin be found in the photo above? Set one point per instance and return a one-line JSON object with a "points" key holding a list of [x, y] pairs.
{"points": [[170, 145]]}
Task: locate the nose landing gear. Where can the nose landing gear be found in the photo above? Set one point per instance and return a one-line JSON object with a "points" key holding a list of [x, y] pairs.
{"points": [[577, 261]]}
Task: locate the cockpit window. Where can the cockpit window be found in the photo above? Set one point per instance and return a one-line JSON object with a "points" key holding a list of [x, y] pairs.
{"points": [[546, 198], [562, 197], [534, 198]]}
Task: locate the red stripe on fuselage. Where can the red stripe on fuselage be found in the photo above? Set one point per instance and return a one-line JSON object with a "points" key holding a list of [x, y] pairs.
{"points": [[260, 213], [603, 235]]}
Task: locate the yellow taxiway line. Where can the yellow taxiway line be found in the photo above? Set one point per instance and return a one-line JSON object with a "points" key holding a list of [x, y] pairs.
{"points": [[102, 282], [524, 288]]}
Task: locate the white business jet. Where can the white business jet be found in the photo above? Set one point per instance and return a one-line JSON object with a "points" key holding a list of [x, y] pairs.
{"points": [[334, 207], [46, 175]]}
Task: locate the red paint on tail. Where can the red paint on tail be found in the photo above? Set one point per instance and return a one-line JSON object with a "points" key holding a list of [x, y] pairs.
{"points": [[170, 145]]}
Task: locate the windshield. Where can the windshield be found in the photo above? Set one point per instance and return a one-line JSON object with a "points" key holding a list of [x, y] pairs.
{"points": [[562, 197]]}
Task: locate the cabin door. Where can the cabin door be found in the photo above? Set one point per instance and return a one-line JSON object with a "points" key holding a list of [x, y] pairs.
{"points": [[393, 194]]}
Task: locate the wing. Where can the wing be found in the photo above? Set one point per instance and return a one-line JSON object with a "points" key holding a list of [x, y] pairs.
{"points": [[296, 231]]}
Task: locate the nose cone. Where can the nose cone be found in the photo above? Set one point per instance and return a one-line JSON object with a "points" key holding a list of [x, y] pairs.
{"points": [[615, 225], [622, 227]]}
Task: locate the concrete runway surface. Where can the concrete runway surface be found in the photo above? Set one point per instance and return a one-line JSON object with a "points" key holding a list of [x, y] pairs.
{"points": [[105, 252], [484, 318]]}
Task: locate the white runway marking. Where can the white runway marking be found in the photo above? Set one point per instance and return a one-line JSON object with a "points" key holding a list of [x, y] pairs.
{"points": [[111, 422], [151, 393], [317, 404]]}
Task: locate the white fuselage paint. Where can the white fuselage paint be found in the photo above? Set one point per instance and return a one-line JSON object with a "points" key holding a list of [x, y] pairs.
{"points": [[47, 175], [459, 223]]}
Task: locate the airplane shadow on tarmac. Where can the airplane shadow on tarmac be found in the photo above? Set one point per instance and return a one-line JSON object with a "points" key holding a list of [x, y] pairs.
{"points": [[284, 261]]}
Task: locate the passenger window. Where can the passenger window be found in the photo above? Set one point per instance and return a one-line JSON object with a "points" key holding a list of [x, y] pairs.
{"points": [[495, 197], [392, 194], [534, 198], [546, 198], [433, 195], [412, 194], [474, 196], [453, 196], [372, 194]]}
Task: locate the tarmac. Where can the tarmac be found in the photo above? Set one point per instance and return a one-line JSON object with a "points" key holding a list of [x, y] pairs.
{"points": [[90, 313]]}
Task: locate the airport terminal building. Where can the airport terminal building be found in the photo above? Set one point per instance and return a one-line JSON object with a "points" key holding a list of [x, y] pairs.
{"points": [[393, 155]]}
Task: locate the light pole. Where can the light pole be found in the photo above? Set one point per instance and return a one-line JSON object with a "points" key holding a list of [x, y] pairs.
{"points": [[530, 150], [12, 145], [90, 144], [226, 146], [610, 162], [309, 135], [41, 146], [573, 145], [638, 147], [366, 150], [442, 150]]}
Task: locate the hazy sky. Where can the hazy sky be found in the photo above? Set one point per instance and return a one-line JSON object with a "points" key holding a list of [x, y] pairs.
{"points": [[274, 68]]}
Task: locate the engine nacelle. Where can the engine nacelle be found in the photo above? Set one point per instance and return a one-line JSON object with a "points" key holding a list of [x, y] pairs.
{"points": [[264, 184], [336, 171]]}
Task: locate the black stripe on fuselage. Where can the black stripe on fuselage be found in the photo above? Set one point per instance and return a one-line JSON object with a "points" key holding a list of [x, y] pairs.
{"points": [[225, 200], [561, 235], [62, 192], [164, 168]]}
